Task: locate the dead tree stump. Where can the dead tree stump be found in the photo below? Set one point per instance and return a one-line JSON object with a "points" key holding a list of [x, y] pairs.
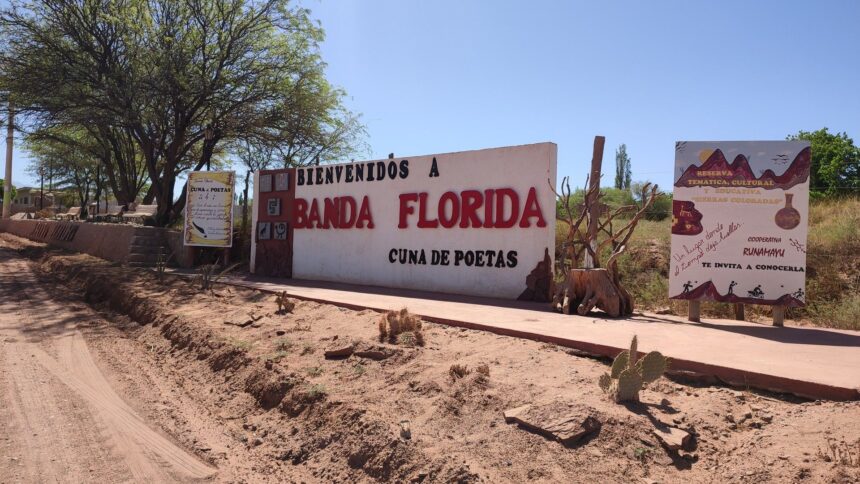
{"points": [[586, 289]]}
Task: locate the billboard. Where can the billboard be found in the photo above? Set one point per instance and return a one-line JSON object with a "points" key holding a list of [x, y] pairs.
{"points": [[209, 209], [739, 222], [473, 222]]}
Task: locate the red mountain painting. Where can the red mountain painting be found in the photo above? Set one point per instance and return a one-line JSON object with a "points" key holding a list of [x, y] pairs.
{"points": [[708, 292], [717, 172]]}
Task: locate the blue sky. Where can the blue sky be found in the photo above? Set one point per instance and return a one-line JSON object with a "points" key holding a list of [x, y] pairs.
{"points": [[431, 77]]}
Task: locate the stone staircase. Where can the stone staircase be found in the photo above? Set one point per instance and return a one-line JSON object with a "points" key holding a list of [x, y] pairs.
{"points": [[146, 245]]}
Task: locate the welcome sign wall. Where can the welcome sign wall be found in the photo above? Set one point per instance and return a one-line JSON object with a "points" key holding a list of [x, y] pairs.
{"points": [[473, 223], [739, 222]]}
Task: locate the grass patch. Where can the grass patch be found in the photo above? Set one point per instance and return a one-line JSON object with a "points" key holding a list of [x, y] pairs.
{"points": [[278, 355], [241, 344], [317, 391], [314, 371], [284, 344]]}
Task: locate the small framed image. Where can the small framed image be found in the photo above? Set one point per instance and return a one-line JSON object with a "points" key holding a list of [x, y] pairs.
{"points": [[282, 182], [273, 207], [280, 230], [265, 183], [264, 230]]}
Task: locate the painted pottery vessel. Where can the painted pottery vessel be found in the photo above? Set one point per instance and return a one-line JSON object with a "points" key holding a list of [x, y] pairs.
{"points": [[787, 217]]}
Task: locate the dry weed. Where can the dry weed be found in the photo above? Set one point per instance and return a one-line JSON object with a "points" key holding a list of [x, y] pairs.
{"points": [[458, 371], [841, 453]]}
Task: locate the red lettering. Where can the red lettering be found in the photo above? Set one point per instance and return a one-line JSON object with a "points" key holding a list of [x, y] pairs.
{"points": [[314, 216], [532, 209], [488, 208], [406, 209], [364, 214], [423, 223], [500, 221], [301, 206], [472, 200], [331, 214], [347, 203], [455, 210]]}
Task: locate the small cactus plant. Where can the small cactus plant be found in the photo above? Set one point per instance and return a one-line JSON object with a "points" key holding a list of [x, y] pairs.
{"points": [[284, 304], [629, 373]]}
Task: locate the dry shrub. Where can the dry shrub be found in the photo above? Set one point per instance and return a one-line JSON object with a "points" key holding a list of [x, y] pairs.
{"points": [[401, 327], [483, 369], [458, 371], [840, 452]]}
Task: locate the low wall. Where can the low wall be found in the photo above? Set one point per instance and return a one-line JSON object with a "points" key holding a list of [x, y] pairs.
{"points": [[182, 255], [108, 241]]}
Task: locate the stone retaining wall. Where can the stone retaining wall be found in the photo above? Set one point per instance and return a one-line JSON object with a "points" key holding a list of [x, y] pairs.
{"points": [[108, 241]]}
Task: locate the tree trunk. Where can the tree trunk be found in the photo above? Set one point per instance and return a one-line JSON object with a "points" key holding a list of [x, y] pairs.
{"points": [[244, 213], [586, 289]]}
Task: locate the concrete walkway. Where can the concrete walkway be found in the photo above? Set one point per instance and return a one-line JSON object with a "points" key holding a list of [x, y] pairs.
{"points": [[806, 361]]}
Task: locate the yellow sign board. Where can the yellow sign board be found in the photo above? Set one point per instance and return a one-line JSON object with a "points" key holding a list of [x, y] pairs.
{"points": [[209, 209]]}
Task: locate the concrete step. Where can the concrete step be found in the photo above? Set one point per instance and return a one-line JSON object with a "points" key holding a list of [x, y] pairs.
{"points": [[142, 240], [141, 264], [145, 258], [148, 249]]}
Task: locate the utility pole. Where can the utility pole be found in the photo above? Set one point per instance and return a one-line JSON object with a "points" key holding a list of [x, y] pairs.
{"points": [[7, 182]]}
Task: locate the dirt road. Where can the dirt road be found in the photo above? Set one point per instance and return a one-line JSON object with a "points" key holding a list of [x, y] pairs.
{"points": [[60, 418], [113, 374]]}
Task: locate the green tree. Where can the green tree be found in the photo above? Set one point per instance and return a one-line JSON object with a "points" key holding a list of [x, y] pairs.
{"points": [[181, 80], [3, 187], [623, 174], [835, 168], [73, 170], [660, 209]]}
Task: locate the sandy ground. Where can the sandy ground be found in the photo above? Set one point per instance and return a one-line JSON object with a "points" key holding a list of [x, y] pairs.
{"points": [[110, 375]]}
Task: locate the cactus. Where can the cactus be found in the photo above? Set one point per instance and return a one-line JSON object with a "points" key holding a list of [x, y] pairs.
{"points": [[630, 373], [284, 304]]}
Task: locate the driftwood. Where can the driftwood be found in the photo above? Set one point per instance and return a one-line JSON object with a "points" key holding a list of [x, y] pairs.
{"points": [[585, 288]]}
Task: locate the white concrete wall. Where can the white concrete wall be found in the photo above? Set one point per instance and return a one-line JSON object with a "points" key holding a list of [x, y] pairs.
{"points": [[362, 255]]}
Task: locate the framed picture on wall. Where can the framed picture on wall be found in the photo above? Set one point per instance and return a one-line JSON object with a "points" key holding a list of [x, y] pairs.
{"points": [[282, 182], [264, 230], [266, 183], [273, 207], [280, 230]]}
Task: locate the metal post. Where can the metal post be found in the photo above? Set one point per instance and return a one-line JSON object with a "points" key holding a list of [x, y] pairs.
{"points": [[7, 182]]}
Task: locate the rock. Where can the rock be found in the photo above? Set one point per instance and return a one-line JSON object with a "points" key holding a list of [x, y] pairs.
{"points": [[766, 417], [672, 438], [372, 354], [280, 332], [339, 352], [405, 430], [242, 322], [257, 441], [567, 423], [738, 395]]}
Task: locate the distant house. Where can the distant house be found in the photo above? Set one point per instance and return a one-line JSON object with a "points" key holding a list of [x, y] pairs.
{"points": [[26, 200]]}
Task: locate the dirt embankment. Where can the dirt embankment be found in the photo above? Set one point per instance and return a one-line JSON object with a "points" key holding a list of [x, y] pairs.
{"points": [[297, 416]]}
